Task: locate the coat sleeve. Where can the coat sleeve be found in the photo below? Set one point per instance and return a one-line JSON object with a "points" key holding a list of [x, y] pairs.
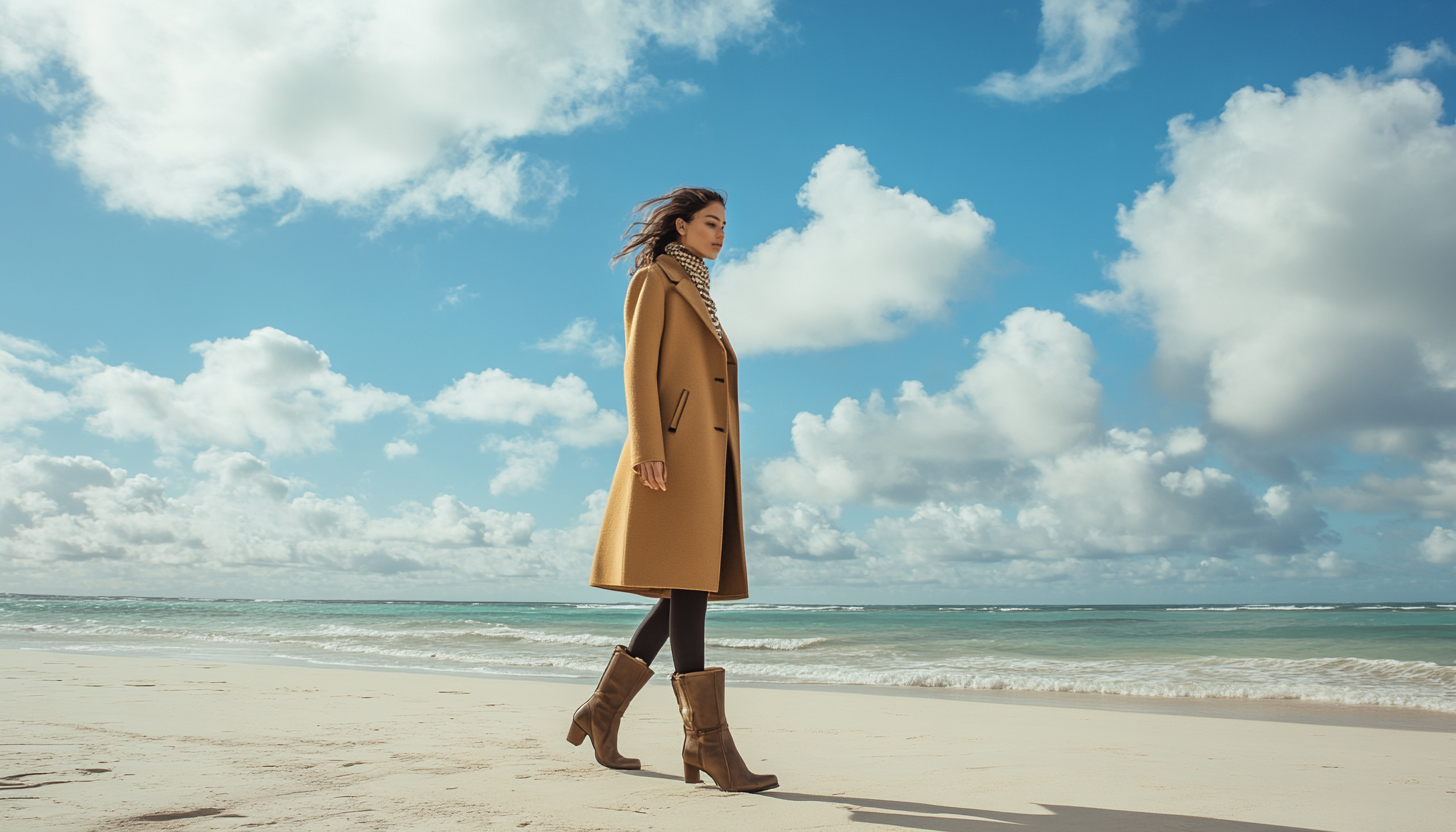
{"points": [[642, 319]]}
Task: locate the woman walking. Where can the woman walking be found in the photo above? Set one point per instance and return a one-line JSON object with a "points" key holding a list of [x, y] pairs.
{"points": [[681, 544]]}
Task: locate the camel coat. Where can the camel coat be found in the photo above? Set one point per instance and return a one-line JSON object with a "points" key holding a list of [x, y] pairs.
{"points": [[682, 408]]}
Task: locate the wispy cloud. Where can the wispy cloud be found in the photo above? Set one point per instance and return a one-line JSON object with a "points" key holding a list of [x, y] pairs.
{"points": [[580, 336], [1085, 43], [454, 296]]}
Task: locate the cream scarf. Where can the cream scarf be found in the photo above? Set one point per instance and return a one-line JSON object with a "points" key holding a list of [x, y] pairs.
{"points": [[698, 271]]}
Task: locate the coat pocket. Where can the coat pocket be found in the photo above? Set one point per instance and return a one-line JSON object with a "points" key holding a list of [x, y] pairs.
{"points": [[682, 404]]}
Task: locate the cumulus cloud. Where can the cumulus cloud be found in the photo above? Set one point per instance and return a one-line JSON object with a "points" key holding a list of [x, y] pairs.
{"points": [[1407, 61], [279, 391], [580, 336], [528, 461], [86, 524], [871, 262], [1031, 393], [1010, 466], [1085, 44], [1439, 546], [269, 387], [1128, 495], [806, 532], [495, 395], [400, 448], [1297, 269], [22, 402], [198, 112]]}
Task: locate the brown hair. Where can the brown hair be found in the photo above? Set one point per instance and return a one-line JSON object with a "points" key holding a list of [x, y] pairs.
{"points": [[658, 227]]}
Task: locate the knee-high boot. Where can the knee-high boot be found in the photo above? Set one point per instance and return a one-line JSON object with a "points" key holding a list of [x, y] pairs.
{"points": [[601, 715], [707, 745]]}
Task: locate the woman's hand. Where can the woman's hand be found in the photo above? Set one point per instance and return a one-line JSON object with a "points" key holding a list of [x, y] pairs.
{"points": [[653, 474]]}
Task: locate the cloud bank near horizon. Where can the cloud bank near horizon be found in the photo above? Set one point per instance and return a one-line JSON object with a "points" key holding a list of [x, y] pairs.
{"points": [[1006, 479]]}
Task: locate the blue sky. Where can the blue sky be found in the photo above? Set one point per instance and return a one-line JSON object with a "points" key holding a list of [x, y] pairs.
{"points": [[1242, 387]]}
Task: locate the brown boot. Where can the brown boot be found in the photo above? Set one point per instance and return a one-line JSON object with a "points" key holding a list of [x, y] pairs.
{"points": [[707, 745], [601, 715]]}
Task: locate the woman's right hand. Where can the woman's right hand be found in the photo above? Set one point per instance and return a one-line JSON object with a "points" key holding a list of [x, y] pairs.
{"points": [[653, 474]]}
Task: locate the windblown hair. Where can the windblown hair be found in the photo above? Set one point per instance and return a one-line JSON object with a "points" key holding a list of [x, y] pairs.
{"points": [[650, 235]]}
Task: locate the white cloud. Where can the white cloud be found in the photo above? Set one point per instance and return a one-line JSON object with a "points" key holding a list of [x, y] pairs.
{"points": [[400, 448], [76, 518], [1431, 492], [1439, 546], [197, 112], [1030, 394], [497, 396], [1126, 496], [871, 262], [270, 387], [1085, 43], [1009, 466], [1297, 269], [1407, 61], [528, 462], [278, 390], [806, 532], [580, 336], [454, 296], [21, 400]]}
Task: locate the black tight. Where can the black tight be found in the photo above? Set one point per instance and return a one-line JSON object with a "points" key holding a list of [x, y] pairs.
{"points": [[679, 617]]}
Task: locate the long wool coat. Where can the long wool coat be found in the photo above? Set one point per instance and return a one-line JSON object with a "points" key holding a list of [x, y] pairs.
{"points": [[682, 408]]}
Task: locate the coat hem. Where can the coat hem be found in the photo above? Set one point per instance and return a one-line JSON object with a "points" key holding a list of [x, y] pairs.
{"points": [[663, 592]]}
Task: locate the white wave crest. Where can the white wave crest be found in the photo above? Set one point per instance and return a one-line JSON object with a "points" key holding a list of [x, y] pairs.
{"points": [[583, 639], [765, 643], [1384, 682]]}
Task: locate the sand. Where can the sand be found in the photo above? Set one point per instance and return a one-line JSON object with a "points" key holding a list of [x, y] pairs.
{"points": [[95, 743]]}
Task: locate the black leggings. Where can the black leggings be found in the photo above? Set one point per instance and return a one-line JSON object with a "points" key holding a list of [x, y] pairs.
{"points": [[680, 617]]}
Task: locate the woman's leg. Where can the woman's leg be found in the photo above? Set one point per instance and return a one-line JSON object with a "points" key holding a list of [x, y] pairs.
{"points": [[688, 613], [651, 633]]}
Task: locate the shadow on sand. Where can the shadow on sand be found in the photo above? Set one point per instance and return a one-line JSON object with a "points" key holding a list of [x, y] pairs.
{"points": [[907, 815]]}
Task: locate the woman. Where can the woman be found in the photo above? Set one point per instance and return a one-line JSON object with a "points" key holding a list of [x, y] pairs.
{"points": [[682, 545]]}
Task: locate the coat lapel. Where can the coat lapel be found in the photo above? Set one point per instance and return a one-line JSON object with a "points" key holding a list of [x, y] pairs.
{"points": [[685, 287]]}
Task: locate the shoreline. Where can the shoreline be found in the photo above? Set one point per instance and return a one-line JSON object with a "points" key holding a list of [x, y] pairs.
{"points": [[1297, 711], [106, 742]]}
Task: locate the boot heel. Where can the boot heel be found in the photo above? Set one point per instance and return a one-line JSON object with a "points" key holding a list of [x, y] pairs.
{"points": [[576, 734], [692, 774]]}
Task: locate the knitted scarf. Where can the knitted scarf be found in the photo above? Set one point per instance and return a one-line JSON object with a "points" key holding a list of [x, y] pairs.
{"points": [[698, 271]]}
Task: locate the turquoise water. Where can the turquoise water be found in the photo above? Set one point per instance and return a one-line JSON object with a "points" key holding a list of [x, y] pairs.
{"points": [[1397, 655]]}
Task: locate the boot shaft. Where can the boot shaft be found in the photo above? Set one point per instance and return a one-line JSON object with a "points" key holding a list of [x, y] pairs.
{"points": [[624, 676], [700, 698]]}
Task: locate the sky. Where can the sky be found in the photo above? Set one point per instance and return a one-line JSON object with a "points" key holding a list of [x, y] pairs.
{"points": [[1079, 301]]}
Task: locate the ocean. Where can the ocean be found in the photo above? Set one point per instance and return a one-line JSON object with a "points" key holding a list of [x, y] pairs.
{"points": [[1397, 655]]}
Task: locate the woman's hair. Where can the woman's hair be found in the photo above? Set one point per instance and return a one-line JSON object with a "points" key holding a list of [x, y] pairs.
{"points": [[658, 227]]}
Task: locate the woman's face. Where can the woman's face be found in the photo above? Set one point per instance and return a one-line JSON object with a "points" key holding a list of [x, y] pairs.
{"points": [[703, 236]]}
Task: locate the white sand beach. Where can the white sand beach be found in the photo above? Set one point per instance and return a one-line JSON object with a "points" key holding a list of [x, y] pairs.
{"points": [[95, 742]]}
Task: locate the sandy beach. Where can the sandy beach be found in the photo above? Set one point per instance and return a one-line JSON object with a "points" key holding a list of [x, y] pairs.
{"points": [[95, 742]]}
